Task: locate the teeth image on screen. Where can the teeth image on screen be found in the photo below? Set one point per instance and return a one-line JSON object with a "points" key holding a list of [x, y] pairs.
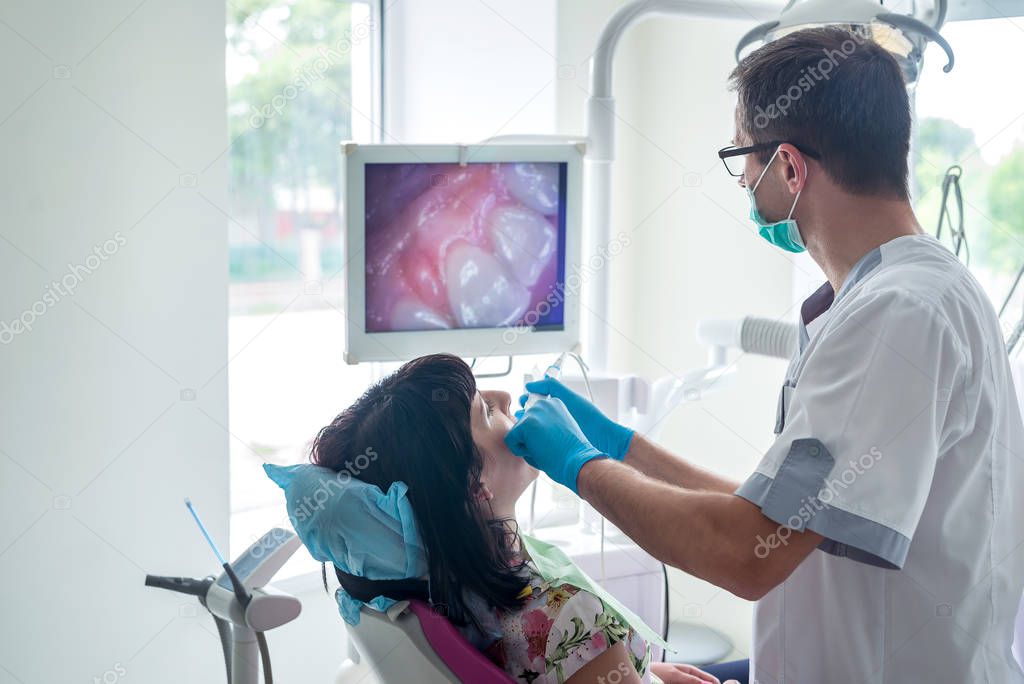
{"points": [[463, 247]]}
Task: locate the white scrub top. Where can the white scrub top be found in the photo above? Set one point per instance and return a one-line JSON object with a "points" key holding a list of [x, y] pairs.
{"points": [[899, 439]]}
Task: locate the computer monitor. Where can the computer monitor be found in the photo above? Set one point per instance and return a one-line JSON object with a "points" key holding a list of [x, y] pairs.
{"points": [[462, 249]]}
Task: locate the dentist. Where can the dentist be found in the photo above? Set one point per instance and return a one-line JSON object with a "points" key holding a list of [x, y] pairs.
{"points": [[882, 535]]}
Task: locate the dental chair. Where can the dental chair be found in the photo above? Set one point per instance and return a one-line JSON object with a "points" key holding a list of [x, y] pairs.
{"points": [[412, 642]]}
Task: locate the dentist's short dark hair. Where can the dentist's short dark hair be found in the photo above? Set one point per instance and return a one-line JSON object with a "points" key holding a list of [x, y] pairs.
{"points": [[836, 93]]}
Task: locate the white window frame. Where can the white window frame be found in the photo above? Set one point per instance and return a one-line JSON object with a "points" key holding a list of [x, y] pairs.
{"points": [[366, 126]]}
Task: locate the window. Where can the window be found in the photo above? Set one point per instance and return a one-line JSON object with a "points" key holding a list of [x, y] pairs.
{"points": [[302, 76], [974, 118]]}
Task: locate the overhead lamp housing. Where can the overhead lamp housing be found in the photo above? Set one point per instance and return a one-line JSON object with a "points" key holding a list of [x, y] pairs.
{"points": [[903, 36]]}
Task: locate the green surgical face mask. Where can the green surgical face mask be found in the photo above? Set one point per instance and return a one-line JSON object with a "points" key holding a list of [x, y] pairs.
{"points": [[783, 234]]}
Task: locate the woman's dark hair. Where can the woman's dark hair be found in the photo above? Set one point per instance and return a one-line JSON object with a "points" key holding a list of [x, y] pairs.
{"points": [[414, 427]]}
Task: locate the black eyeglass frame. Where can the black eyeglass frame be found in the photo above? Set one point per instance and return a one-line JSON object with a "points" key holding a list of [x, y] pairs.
{"points": [[730, 151]]}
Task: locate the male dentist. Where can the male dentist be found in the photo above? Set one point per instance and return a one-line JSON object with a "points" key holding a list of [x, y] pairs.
{"points": [[882, 535]]}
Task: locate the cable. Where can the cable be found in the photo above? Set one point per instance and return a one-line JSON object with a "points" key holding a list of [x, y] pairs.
{"points": [[533, 505], [590, 395], [665, 607], [261, 641], [583, 371], [224, 631], [665, 569], [1013, 289], [1014, 337], [1018, 329], [959, 237]]}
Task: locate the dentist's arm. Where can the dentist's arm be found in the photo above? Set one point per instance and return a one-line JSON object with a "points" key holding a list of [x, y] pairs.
{"points": [[701, 529], [622, 444], [717, 536], [661, 464]]}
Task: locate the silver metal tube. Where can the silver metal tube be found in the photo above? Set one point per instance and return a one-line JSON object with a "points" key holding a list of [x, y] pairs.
{"points": [[604, 55]]}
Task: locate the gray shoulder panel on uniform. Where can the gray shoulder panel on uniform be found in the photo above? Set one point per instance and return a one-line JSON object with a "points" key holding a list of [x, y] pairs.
{"points": [[791, 499]]}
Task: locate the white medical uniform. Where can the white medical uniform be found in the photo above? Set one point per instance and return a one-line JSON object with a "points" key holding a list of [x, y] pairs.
{"points": [[899, 439]]}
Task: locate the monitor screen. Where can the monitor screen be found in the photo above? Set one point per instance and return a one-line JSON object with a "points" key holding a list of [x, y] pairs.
{"points": [[462, 247]]}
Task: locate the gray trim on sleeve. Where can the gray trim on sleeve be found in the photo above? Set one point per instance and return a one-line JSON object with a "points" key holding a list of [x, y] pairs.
{"points": [[793, 496], [800, 477]]}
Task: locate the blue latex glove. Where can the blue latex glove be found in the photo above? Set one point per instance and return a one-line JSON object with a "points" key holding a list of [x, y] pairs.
{"points": [[605, 434], [549, 439]]}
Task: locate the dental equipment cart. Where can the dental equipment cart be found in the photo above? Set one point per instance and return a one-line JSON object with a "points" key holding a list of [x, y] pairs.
{"points": [[242, 604]]}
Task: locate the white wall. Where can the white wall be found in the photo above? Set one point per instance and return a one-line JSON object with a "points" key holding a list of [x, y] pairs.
{"points": [[465, 70], [107, 107], [693, 254]]}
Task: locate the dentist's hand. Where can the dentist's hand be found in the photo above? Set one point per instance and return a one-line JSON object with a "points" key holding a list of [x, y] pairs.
{"points": [[549, 439], [605, 434]]}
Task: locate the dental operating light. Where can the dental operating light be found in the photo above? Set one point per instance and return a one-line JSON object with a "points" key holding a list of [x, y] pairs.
{"points": [[904, 36]]}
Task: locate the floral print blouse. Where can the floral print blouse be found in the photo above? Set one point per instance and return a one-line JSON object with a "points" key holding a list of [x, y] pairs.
{"points": [[557, 631]]}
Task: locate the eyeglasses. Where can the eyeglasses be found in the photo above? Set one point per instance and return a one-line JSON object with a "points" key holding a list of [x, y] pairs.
{"points": [[732, 156]]}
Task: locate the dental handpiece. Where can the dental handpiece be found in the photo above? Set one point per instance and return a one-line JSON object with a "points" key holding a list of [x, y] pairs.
{"points": [[554, 371]]}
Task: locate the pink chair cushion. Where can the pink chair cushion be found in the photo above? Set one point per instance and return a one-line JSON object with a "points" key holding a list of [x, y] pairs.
{"points": [[467, 663]]}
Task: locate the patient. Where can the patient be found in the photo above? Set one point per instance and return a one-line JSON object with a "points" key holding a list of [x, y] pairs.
{"points": [[432, 429]]}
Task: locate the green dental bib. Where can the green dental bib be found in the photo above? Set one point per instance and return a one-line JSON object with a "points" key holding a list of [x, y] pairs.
{"points": [[557, 568]]}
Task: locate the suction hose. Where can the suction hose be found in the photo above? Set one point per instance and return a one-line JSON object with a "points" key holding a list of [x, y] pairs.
{"points": [[767, 337], [763, 336], [261, 641]]}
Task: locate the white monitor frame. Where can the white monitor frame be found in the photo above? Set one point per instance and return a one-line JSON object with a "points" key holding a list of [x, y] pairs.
{"points": [[362, 346]]}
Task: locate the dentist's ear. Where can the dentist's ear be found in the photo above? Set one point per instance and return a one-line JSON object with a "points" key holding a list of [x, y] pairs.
{"points": [[794, 165]]}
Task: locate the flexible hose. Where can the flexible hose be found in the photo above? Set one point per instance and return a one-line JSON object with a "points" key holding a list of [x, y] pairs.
{"points": [[768, 337], [224, 631], [261, 641], [665, 625]]}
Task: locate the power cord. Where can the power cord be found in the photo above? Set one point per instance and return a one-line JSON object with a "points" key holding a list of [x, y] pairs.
{"points": [[664, 569], [951, 181], [590, 395]]}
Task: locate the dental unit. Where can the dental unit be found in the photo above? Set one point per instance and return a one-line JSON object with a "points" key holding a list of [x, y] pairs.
{"points": [[243, 607]]}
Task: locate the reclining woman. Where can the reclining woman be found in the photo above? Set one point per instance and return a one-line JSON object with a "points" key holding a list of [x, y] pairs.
{"points": [[433, 430]]}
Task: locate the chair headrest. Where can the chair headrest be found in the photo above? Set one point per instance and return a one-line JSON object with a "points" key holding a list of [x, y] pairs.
{"points": [[363, 589], [362, 530]]}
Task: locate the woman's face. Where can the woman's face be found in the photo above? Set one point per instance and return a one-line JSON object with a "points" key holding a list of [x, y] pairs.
{"points": [[505, 476]]}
